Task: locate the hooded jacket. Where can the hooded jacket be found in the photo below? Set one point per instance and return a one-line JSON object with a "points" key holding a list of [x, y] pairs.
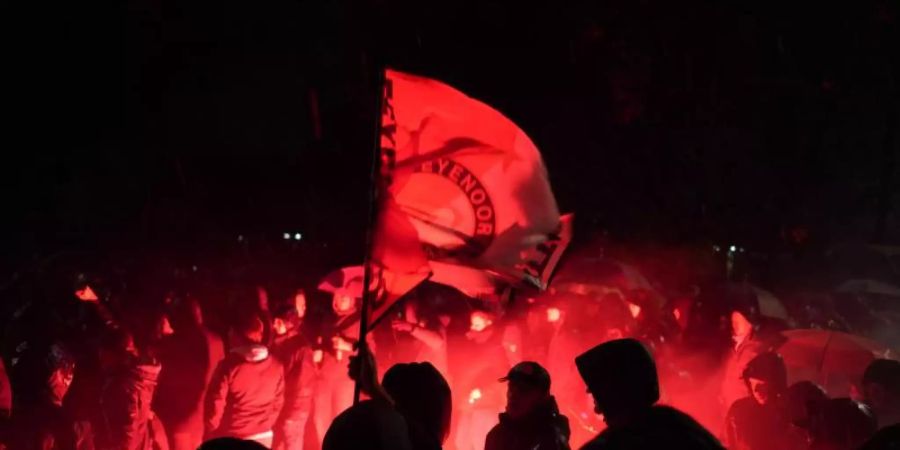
{"points": [[368, 425], [127, 417], [245, 394], [543, 429], [655, 428]]}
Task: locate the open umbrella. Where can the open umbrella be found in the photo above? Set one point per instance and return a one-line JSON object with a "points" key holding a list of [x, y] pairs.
{"points": [[769, 304], [601, 276], [832, 359], [873, 287]]}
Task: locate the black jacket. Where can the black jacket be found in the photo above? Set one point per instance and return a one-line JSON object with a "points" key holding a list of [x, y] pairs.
{"points": [[660, 427], [750, 426], [127, 417], [369, 425], [544, 429]]}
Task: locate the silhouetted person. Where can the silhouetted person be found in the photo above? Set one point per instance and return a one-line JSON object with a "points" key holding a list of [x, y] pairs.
{"points": [[887, 438], [127, 395], [247, 389], [621, 376], [753, 420], [840, 424], [188, 357], [881, 386], [39, 421], [294, 352], [422, 396], [373, 424], [802, 400], [532, 420]]}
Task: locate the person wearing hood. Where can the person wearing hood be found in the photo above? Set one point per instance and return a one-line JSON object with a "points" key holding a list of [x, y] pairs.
{"points": [[753, 420], [423, 397], [246, 393], [621, 376], [409, 409], [532, 420], [127, 420]]}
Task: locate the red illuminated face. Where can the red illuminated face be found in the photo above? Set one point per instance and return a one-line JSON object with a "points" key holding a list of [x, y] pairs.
{"points": [[279, 326], [300, 304], [522, 399], [761, 390], [59, 383], [343, 304], [740, 327]]}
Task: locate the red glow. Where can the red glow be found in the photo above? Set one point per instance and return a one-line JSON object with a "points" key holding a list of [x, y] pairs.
{"points": [[740, 327], [341, 346], [279, 326], [634, 309], [300, 304], [553, 315], [343, 304], [474, 396], [479, 321], [318, 356], [677, 314], [86, 295], [166, 327]]}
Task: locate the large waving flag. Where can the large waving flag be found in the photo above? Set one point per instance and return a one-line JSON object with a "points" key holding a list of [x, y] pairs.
{"points": [[465, 194]]}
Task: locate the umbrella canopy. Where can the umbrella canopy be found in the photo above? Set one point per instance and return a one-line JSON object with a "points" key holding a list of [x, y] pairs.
{"points": [[769, 304], [832, 359], [873, 287], [601, 276]]}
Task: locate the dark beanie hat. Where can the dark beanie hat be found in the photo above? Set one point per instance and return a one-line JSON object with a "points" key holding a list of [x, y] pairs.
{"points": [[768, 366], [621, 374]]}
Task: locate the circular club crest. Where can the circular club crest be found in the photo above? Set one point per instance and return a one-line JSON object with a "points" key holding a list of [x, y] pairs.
{"points": [[455, 214]]}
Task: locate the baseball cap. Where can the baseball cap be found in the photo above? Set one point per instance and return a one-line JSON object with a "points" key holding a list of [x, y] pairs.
{"points": [[529, 372]]}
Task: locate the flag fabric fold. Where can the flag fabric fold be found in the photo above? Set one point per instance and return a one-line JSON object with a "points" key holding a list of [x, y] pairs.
{"points": [[465, 196]]}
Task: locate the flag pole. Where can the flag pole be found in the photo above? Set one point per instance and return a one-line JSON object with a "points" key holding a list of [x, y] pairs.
{"points": [[374, 195]]}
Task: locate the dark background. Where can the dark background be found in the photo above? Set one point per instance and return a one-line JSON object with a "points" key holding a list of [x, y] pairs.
{"points": [[180, 126]]}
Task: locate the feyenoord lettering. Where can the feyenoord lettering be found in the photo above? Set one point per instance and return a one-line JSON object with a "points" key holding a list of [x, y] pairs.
{"points": [[482, 207], [388, 133]]}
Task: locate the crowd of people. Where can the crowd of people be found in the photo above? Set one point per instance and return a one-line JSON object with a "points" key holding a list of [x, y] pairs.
{"points": [[271, 368]]}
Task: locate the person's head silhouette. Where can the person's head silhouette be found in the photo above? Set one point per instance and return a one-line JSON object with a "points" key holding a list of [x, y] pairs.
{"points": [[422, 395], [766, 378], [621, 376]]}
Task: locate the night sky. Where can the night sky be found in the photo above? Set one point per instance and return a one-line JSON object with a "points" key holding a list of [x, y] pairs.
{"points": [[180, 125]]}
